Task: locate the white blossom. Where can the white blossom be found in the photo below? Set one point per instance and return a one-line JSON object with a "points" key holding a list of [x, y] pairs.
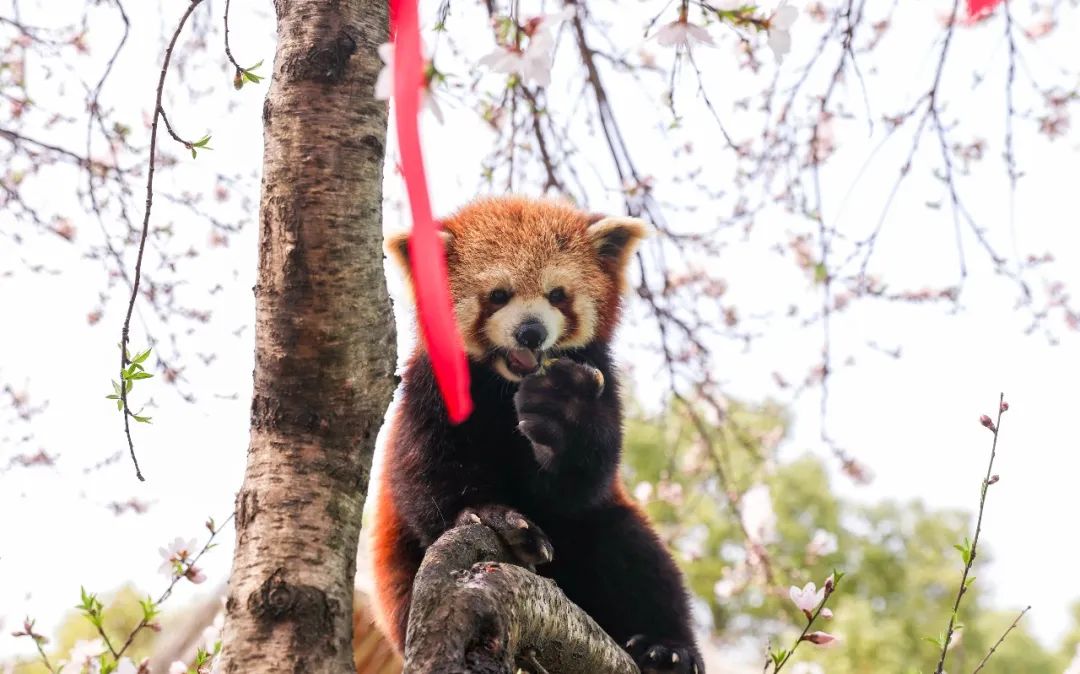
{"points": [[178, 667], [681, 34], [822, 543], [758, 517], [84, 657], [126, 666], [780, 29], [534, 62]]}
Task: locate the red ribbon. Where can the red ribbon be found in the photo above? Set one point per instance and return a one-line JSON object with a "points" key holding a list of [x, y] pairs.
{"points": [[980, 9], [431, 285]]}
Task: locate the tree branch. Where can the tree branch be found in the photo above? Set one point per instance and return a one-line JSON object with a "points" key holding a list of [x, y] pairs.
{"points": [[472, 612]]}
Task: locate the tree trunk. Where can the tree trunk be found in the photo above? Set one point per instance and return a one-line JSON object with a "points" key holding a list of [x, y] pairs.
{"points": [[473, 614], [325, 343]]}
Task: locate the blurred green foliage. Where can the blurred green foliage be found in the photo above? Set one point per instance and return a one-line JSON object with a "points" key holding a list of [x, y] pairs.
{"points": [[902, 570]]}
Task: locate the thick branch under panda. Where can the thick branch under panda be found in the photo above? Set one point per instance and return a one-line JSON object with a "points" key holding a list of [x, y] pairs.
{"points": [[474, 612]]}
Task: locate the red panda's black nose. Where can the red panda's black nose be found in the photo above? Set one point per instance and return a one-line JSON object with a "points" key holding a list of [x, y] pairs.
{"points": [[531, 334]]}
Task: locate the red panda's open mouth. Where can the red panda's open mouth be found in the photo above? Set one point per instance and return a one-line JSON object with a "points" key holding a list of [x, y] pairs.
{"points": [[523, 362]]}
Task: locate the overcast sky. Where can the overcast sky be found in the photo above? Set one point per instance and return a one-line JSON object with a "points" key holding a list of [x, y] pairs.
{"points": [[913, 420]]}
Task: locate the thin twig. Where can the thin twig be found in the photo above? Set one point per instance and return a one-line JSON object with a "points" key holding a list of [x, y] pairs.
{"points": [[995, 646], [145, 231], [176, 579], [995, 428]]}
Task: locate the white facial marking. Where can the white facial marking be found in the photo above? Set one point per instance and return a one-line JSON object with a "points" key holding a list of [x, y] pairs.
{"points": [[585, 310], [500, 327], [467, 311]]}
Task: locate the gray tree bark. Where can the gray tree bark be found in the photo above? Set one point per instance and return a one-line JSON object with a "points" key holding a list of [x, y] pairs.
{"points": [[473, 613], [325, 344]]}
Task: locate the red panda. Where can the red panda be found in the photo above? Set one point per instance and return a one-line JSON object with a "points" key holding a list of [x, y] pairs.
{"points": [[537, 289]]}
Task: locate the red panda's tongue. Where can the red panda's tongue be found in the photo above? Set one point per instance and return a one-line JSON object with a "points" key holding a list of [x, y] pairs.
{"points": [[522, 361]]}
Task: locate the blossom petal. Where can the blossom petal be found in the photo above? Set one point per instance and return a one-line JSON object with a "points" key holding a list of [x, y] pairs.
{"points": [[699, 33], [784, 17]]}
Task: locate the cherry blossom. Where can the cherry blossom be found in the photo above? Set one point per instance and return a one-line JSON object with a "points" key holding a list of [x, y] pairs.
{"points": [[84, 656], [681, 34], [195, 575], [126, 666], [178, 667], [780, 30], [808, 598], [758, 517], [534, 61], [822, 543], [384, 83], [178, 553]]}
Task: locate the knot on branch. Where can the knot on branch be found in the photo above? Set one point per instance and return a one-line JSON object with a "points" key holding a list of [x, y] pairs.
{"points": [[309, 607], [327, 62]]}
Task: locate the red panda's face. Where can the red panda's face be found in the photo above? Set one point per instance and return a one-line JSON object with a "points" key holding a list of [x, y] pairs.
{"points": [[530, 278]]}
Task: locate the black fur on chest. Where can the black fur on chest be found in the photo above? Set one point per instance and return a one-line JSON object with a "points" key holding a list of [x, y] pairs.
{"points": [[487, 457]]}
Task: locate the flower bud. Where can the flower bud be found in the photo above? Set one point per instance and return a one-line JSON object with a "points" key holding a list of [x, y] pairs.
{"points": [[1004, 406], [987, 421], [820, 638], [993, 479]]}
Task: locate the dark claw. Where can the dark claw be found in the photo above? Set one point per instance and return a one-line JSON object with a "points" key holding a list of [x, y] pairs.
{"points": [[663, 657], [526, 541]]}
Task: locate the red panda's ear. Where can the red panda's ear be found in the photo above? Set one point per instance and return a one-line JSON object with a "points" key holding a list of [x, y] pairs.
{"points": [[397, 249], [616, 238]]}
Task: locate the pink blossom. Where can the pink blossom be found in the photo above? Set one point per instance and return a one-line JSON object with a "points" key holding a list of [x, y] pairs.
{"points": [[178, 667], [808, 598], [195, 575]]}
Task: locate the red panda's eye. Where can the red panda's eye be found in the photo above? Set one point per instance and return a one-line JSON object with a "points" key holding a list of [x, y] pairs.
{"points": [[556, 295], [499, 296]]}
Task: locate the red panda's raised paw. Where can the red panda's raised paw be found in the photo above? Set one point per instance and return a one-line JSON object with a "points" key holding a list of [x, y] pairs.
{"points": [[526, 541], [663, 657], [553, 405]]}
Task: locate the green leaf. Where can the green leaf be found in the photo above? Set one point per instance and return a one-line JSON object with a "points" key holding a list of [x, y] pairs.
{"points": [[141, 420], [141, 358], [821, 273], [140, 375]]}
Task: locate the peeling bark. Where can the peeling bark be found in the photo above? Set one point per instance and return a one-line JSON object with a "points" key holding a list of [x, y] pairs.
{"points": [[474, 613], [325, 344]]}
